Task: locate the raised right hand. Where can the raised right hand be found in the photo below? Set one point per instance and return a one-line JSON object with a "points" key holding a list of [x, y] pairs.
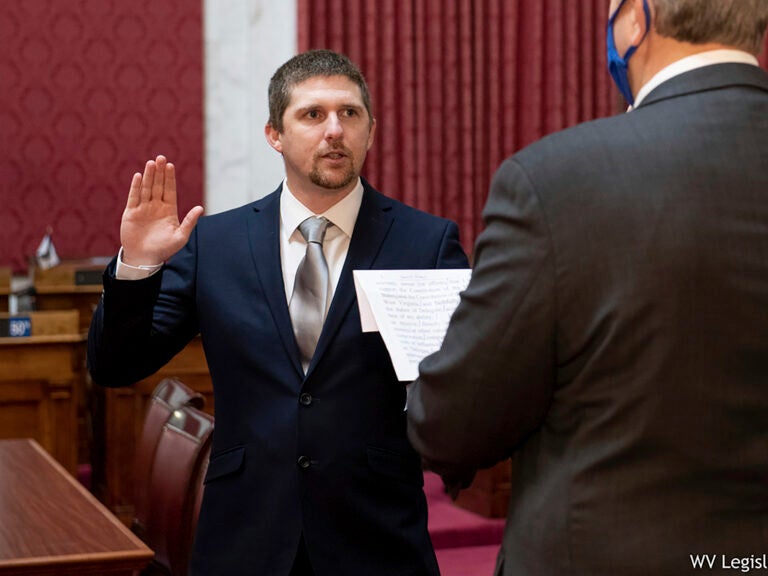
{"points": [[150, 231]]}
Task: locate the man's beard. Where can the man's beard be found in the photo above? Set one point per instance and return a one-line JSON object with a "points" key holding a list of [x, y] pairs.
{"points": [[334, 179]]}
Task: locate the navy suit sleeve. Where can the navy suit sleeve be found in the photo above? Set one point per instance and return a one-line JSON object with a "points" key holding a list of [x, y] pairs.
{"points": [[490, 384], [139, 325], [451, 254]]}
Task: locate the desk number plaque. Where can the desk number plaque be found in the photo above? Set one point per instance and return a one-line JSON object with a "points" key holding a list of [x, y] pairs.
{"points": [[14, 327]]}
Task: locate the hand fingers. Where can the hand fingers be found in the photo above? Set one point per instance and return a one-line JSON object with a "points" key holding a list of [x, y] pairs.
{"points": [[146, 181], [134, 194], [190, 220], [159, 181], [169, 191]]}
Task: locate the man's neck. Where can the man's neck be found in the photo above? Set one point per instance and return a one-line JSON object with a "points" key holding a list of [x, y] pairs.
{"points": [[692, 62], [658, 52]]}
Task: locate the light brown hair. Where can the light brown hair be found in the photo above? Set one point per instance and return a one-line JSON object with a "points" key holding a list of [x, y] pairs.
{"points": [[737, 23], [309, 65]]}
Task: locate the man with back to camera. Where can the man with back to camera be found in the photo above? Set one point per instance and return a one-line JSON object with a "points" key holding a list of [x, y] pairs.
{"points": [[311, 470], [614, 337]]}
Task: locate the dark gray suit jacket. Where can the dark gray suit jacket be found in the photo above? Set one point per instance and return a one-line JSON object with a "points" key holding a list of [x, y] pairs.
{"points": [[614, 338]]}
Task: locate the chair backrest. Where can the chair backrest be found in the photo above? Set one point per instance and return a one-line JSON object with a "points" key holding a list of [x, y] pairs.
{"points": [[167, 396], [200, 483], [176, 486], [175, 442]]}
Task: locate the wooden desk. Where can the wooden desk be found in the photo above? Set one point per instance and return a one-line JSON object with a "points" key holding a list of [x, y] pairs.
{"points": [[40, 384], [52, 294], [67, 297], [51, 525], [118, 419], [73, 284], [58, 289]]}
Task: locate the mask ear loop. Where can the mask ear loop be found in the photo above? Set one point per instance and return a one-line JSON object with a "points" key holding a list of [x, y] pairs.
{"points": [[647, 11]]}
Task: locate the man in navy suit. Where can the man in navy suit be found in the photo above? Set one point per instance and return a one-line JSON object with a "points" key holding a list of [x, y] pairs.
{"points": [[614, 336], [311, 470]]}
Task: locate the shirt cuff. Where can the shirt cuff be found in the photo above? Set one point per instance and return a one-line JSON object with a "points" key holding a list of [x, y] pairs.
{"points": [[125, 271]]}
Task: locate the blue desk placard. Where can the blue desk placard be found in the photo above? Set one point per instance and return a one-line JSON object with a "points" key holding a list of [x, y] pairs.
{"points": [[15, 327]]}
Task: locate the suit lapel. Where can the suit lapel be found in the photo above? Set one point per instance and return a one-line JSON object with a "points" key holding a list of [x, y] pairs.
{"points": [[373, 223], [264, 237]]}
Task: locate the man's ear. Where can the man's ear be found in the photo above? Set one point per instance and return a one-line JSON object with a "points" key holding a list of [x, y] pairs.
{"points": [[639, 24], [371, 134], [273, 137]]}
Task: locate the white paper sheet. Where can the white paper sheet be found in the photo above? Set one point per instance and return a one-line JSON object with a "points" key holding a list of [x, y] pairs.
{"points": [[411, 309]]}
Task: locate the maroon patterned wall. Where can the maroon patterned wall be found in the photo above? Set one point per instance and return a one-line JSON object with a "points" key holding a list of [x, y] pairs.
{"points": [[89, 90]]}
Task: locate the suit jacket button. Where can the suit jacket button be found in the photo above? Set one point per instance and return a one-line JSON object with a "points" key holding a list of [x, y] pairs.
{"points": [[303, 462], [305, 399]]}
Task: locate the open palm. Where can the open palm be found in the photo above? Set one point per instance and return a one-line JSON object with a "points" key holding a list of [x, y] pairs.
{"points": [[150, 231]]}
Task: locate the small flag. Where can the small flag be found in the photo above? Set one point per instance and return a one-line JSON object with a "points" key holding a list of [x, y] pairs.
{"points": [[46, 255]]}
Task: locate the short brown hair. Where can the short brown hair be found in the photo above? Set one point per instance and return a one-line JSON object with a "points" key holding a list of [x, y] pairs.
{"points": [[737, 23], [309, 65]]}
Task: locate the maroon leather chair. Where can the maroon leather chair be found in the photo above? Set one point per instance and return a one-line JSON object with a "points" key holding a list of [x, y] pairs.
{"points": [[175, 486], [168, 395], [170, 463]]}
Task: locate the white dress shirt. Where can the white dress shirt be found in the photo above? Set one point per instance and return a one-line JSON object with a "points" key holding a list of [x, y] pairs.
{"points": [[691, 63], [343, 215]]}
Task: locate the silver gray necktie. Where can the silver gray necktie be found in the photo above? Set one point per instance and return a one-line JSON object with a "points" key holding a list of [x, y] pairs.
{"points": [[310, 289]]}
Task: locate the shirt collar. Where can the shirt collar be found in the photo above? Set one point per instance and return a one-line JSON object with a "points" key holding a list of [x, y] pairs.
{"points": [[343, 214], [689, 63]]}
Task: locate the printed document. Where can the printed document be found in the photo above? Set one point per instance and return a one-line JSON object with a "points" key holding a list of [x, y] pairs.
{"points": [[411, 309]]}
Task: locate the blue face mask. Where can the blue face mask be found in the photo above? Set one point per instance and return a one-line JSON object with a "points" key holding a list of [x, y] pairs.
{"points": [[617, 65]]}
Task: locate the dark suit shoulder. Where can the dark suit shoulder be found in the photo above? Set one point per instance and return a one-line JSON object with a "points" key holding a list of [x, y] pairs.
{"points": [[403, 212], [726, 99], [227, 218], [582, 153], [571, 143]]}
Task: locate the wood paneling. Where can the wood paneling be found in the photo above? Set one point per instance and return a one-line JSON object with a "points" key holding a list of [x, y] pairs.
{"points": [[81, 298], [489, 493], [72, 285], [40, 384], [49, 323]]}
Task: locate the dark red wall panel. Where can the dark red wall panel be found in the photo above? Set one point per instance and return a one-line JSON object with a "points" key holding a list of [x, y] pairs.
{"points": [[89, 90], [458, 85]]}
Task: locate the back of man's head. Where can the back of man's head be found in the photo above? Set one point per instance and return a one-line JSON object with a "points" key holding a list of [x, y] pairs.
{"points": [[308, 65], [737, 23]]}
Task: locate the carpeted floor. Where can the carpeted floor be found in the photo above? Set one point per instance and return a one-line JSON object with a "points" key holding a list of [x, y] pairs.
{"points": [[466, 543], [467, 561]]}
